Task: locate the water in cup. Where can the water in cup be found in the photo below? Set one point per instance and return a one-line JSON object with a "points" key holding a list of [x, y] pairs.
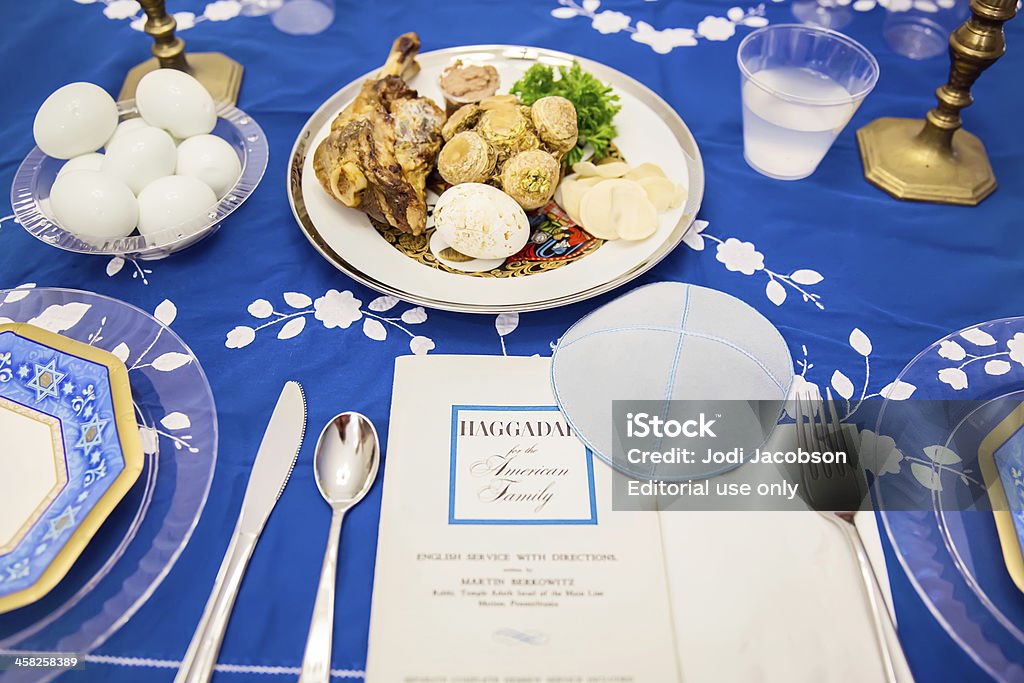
{"points": [[787, 138], [800, 87]]}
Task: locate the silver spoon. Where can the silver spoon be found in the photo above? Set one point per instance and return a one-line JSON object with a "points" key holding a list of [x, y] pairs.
{"points": [[346, 461]]}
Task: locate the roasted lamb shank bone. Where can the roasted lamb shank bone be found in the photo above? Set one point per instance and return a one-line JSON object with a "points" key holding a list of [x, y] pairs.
{"points": [[383, 145]]}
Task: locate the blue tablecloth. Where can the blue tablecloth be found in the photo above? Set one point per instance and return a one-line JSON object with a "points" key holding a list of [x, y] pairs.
{"points": [[904, 274]]}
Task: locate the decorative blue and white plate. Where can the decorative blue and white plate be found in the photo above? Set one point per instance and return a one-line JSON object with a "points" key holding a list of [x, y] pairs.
{"points": [[141, 540], [940, 506], [69, 452]]}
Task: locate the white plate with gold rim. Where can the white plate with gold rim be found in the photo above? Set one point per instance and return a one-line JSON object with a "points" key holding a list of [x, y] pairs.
{"points": [[649, 131]]}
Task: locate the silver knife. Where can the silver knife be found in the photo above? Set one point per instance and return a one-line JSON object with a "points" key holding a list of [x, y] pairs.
{"points": [[274, 462]]}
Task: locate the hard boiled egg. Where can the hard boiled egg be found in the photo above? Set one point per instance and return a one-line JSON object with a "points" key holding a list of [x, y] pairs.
{"points": [[126, 126], [93, 205], [176, 201], [210, 159], [481, 221], [177, 102], [139, 157], [85, 162], [75, 120]]}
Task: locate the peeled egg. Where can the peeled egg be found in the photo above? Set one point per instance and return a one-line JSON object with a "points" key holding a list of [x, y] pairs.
{"points": [[75, 120], [126, 126], [177, 102], [481, 221], [93, 205], [210, 159], [175, 201], [139, 157], [92, 161]]}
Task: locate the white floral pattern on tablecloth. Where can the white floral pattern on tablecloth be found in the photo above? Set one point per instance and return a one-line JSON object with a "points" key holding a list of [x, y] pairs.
{"points": [[662, 41], [217, 10], [335, 311]]}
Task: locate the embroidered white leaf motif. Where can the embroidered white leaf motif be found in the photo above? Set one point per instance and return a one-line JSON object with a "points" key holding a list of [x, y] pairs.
{"points": [[506, 323], [374, 330], [927, 477], [755, 22], [951, 350], [150, 440], [693, 237], [564, 12], [383, 303], [114, 266], [420, 345], [166, 312], [172, 360], [292, 328], [176, 420], [260, 308], [240, 336], [997, 367], [806, 276], [121, 352], [694, 240], [898, 391], [842, 384], [591, 5], [735, 14], [297, 299], [978, 337], [60, 317], [19, 292], [775, 292], [954, 377], [860, 342], [941, 455], [414, 316]]}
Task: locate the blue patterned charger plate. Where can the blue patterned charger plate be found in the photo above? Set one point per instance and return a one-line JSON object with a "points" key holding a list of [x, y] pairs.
{"points": [[69, 452]]}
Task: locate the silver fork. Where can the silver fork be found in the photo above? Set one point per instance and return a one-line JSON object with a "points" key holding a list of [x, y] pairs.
{"points": [[836, 491]]}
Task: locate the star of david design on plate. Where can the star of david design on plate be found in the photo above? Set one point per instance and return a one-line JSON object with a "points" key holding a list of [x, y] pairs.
{"points": [[62, 522], [92, 434], [46, 380], [63, 411]]}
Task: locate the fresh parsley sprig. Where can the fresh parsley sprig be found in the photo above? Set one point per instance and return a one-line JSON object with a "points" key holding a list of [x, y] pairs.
{"points": [[596, 104]]}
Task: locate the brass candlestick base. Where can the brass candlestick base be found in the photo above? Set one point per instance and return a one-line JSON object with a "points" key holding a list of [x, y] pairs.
{"points": [[219, 74], [934, 160], [907, 165]]}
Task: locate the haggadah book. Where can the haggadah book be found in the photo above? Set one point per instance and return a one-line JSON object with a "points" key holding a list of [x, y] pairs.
{"points": [[500, 559]]}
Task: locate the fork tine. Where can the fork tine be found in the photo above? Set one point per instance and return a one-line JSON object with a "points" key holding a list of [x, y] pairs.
{"points": [[831, 425], [801, 438], [845, 443]]}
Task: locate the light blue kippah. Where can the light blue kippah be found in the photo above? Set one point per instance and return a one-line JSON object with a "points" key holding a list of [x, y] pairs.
{"points": [[661, 342]]}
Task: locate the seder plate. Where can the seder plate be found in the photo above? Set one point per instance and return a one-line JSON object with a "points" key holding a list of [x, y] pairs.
{"points": [[649, 131]]}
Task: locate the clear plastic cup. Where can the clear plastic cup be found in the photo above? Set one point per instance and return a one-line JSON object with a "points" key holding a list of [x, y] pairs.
{"points": [[921, 29], [303, 17], [800, 87]]}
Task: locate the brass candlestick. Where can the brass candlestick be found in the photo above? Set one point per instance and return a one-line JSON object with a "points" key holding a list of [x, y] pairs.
{"points": [[220, 74], [937, 161]]}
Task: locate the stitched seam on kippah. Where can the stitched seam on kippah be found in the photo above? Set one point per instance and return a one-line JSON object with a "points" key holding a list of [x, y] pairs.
{"points": [[699, 335], [675, 367]]}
